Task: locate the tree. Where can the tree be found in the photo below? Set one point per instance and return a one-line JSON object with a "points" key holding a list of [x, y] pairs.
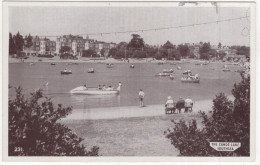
{"points": [[102, 52], [34, 128], [219, 45], [204, 56], [205, 48], [168, 45], [136, 42], [122, 46], [28, 42], [184, 50], [230, 122], [12, 46], [174, 54], [19, 42], [89, 53], [112, 52], [65, 49]]}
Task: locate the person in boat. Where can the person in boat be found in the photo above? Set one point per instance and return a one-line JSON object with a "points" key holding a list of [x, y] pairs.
{"points": [[99, 87], [104, 87], [141, 97], [110, 88], [188, 105], [196, 76]]}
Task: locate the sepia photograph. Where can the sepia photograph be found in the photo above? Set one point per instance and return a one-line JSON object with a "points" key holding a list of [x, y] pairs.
{"points": [[129, 80]]}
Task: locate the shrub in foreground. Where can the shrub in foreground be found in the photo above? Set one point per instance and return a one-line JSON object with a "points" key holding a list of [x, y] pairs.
{"points": [[230, 122], [34, 129]]}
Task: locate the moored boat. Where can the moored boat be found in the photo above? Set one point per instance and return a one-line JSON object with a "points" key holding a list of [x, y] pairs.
{"points": [[91, 70], [132, 66], [163, 74], [53, 63], [171, 76], [95, 91], [190, 80], [110, 65], [66, 72], [168, 71]]}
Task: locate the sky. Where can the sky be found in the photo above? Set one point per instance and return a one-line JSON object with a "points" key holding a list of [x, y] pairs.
{"points": [[55, 21]]}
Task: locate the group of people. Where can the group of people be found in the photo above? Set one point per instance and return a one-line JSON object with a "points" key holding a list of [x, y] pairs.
{"points": [[190, 77], [181, 103], [105, 88]]}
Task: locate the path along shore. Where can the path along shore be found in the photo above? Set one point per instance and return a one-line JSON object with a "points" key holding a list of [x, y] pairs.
{"points": [[131, 111]]}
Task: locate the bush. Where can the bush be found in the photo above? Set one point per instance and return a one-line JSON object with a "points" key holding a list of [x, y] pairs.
{"points": [[45, 55], [230, 122], [34, 129]]}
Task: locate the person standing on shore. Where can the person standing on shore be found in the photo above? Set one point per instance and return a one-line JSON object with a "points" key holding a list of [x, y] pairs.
{"points": [[141, 98]]}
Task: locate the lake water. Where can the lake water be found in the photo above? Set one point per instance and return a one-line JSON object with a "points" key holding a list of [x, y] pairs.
{"points": [[31, 77]]}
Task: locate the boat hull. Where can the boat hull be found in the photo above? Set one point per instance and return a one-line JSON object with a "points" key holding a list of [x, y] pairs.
{"points": [[190, 81], [62, 72], [92, 91]]}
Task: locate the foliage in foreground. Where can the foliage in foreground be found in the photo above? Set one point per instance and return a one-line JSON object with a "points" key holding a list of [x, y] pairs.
{"points": [[34, 129], [230, 122]]}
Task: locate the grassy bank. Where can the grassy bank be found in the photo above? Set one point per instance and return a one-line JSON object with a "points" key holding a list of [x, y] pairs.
{"points": [[137, 136]]}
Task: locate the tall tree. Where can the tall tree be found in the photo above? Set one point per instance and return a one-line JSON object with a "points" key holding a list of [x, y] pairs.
{"points": [[19, 42], [184, 50], [12, 47], [28, 40], [136, 42], [168, 45], [205, 47]]}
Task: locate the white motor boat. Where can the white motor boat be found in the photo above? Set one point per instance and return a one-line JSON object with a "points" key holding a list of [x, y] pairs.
{"points": [[94, 91]]}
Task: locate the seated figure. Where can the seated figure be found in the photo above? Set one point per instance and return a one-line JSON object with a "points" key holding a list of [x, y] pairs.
{"points": [[169, 106], [180, 104]]}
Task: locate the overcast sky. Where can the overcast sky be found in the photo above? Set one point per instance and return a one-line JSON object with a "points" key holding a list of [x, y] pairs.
{"points": [[45, 21]]}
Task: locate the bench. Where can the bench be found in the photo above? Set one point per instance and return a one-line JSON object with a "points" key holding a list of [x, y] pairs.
{"points": [[171, 108]]}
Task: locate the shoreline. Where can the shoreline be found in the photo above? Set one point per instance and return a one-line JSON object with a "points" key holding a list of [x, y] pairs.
{"points": [[109, 60]]}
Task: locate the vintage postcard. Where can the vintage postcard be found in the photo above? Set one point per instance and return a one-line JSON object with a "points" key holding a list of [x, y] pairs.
{"points": [[129, 81]]}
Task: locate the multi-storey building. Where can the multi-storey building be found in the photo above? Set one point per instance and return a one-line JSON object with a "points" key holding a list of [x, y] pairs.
{"points": [[76, 43]]}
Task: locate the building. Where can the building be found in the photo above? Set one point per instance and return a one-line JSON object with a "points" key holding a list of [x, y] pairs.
{"points": [[76, 44]]}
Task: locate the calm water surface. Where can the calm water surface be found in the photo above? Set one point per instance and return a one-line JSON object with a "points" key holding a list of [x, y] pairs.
{"points": [[31, 77]]}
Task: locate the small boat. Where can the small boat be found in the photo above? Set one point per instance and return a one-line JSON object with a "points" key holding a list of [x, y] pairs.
{"points": [[171, 76], [91, 70], [190, 80], [95, 91], [132, 66], [110, 65], [163, 74], [53, 63], [179, 68], [168, 71], [187, 72], [31, 63], [66, 72], [226, 70]]}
